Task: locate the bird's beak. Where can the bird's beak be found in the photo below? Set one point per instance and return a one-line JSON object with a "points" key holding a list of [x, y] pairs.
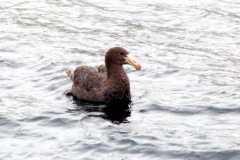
{"points": [[133, 62]]}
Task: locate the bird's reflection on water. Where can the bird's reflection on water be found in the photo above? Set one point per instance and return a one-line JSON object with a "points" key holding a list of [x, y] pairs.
{"points": [[115, 112]]}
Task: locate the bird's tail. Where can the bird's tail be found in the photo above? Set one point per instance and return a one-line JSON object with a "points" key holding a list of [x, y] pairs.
{"points": [[70, 73]]}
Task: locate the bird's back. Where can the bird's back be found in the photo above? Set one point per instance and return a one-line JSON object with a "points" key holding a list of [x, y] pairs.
{"points": [[87, 81]]}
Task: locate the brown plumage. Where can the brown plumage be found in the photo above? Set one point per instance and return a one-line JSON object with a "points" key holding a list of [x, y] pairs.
{"points": [[107, 83]]}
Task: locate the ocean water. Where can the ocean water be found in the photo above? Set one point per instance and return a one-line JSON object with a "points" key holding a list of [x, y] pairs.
{"points": [[185, 99]]}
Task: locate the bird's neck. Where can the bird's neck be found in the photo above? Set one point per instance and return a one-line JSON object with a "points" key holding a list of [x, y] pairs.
{"points": [[118, 84], [115, 71]]}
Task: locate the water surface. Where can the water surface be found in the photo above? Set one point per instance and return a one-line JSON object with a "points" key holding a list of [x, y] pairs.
{"points": [[185, 99]]}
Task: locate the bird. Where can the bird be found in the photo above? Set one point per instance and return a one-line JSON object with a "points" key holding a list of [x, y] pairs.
{"points": [[107, 83]]}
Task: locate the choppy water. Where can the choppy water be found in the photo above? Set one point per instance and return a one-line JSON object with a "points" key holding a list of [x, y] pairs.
{"points": [[185, 99]]}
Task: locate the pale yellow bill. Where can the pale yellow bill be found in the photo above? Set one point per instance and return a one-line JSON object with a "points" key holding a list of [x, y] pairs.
{"points": [[130, 60]]}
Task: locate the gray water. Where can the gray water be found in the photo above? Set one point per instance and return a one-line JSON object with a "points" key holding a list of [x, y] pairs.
{"points": [[185, 98]]}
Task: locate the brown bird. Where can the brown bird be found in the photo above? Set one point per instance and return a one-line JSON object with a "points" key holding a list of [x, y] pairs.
{"points": [[107, 83]]}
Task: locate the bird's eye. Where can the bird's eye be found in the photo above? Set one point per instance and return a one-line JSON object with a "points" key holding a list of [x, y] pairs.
{"points": [[121, 53]]}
